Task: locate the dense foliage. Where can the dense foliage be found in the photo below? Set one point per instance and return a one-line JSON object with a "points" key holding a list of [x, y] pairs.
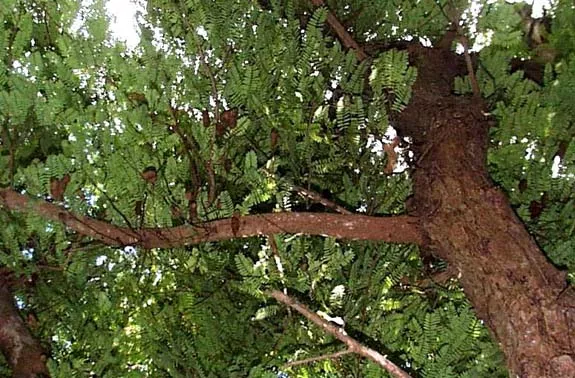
{"points": [[84, 114]]}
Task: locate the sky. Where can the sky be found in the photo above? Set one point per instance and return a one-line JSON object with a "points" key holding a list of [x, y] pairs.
{"points": [[124, 26]]}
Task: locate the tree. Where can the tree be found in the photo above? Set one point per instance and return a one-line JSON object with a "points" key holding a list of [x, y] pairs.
{"points": [[205, 204]]}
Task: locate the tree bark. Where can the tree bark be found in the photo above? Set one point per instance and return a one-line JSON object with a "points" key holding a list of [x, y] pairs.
{"points": [[395, 229], [23, 352], [524, 300]]}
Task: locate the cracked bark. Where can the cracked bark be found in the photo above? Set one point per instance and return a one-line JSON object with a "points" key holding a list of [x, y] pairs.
{"points": [[522, 297]]}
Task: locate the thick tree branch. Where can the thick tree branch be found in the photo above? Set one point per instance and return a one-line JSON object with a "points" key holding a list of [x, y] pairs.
{"points": [[352, 344], [397, 229], [22, 351]]}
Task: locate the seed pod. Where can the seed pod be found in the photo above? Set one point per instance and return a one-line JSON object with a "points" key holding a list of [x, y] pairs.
{"points": [[137, 98], [150, 175], [274, 138], [58, 187], [139, 208], [205, 118], [230, 118]]}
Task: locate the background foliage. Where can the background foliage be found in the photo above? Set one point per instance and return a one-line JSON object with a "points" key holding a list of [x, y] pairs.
{"points": [[74, 102]]}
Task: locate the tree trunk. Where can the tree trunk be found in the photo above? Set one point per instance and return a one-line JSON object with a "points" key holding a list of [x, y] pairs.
{"points": [[515, 290], [22, 351]]}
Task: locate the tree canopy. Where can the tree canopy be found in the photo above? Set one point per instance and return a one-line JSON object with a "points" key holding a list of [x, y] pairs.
{"points": [[213, 201]]}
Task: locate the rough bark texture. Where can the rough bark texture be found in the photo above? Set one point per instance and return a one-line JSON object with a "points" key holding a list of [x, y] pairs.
{"points": [[22, 351], [521, 296]]}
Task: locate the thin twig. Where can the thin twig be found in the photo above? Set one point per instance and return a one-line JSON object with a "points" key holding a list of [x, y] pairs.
{"points": [[453, 15], [474, 84], [213, 82], [331, 356], [189, 150], [316, 197], [346, 39], [10, 142], [211, 183], [278, 261], [352, 344], [209, 165], [116, 209]]}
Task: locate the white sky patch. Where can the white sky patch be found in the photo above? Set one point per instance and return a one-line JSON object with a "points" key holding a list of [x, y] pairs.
{"points": [[337, 294], [28, 253], [202, 32], [530, 150], [376, 145], [539, 6], [123, 23], [100, 260], [335, 319], [556, 167], [482, 40]]}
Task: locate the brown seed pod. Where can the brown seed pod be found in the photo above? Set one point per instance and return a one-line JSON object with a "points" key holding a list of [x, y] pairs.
{"points": [[32, 321], [137, 98], [220, 129], [228, 164], [150, 175], [535, 209], [274, 138], [389, 149], [192, 211], [205, 118], [139, 208], [230, 118], [178, 217], [176, 212], [522, 185], [562, 149], [58, 187]]}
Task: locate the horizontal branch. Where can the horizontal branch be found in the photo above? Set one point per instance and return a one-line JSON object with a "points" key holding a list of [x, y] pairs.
{"points": [[397, 229], [352, 344]]}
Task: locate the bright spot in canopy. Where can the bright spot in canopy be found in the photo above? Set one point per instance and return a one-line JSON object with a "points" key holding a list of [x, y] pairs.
{"points": [[123, 24]]}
